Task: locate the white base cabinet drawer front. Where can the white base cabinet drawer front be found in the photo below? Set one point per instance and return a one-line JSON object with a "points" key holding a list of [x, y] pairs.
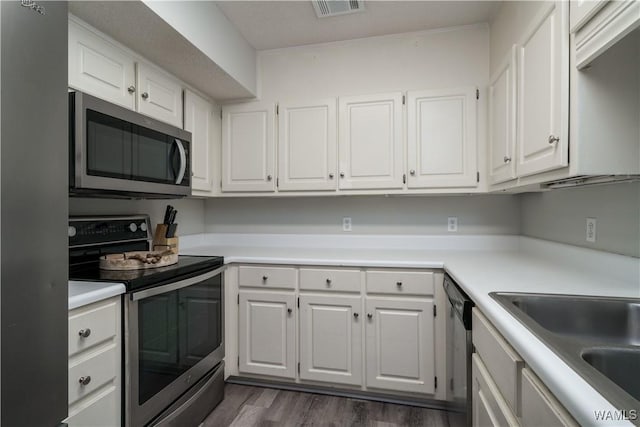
{"points": [[325, 279], [90, 374], [400, 345], [331, 338], [539, 406], [400, 282], [267, 333], [103, 411], [489, 407], [501, 360], [267, 277], [92, 325]]}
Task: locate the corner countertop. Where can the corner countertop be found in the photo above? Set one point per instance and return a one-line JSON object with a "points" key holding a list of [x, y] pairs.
{"points": [[480, 265], [85, 293]]}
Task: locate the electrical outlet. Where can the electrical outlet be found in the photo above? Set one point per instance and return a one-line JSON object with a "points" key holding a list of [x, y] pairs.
{"points": [[591, 230], [452, 224], [346, 223]]}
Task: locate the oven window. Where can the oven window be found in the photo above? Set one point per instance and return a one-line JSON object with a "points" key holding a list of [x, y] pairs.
{"points": [[176, 331]]}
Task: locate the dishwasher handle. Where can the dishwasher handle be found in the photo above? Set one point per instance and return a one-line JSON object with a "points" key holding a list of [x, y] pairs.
{"points": [[460, 302]]}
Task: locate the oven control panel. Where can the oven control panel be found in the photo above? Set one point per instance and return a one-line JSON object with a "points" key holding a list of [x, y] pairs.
{"points": [[87, 231]]}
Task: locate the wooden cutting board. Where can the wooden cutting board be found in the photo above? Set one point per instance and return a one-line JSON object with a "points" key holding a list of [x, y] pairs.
{"points": [[137, 260]]}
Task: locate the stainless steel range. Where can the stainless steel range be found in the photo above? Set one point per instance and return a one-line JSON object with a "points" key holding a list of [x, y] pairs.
{"points": [[173, 322]]}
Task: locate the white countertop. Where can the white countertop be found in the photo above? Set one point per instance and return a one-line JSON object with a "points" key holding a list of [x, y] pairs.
{"points": [[480, 265], [84, 293]]}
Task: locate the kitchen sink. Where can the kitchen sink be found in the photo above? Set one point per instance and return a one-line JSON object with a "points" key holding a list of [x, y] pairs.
{"points": [[599, 337]]}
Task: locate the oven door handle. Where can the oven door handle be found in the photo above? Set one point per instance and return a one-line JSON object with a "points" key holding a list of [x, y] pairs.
{"points": [[137, 296]]}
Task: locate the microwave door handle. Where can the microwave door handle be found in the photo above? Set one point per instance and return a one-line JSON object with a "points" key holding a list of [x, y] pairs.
{"points": [[183, 160]]}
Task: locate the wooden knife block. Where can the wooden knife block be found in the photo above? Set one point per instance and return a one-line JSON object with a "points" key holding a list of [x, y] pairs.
{"points": [[161, 242]]}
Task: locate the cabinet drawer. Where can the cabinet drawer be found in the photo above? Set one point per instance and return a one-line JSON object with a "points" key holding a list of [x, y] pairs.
{"points": [[400, 282], [489, 407], [101, 412], [325, 279], [539, 407], [267, 277], [98, 321], [502, 361], [101, 367]]}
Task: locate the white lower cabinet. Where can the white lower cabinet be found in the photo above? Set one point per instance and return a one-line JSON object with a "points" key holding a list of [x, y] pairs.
{"points": [[95, 355], [331, 338], [400, 344], [267, 333], [489, 407]]}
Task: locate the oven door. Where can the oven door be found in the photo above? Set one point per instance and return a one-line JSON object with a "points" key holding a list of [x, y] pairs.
{"points": [[118, 150], [173, 338]]}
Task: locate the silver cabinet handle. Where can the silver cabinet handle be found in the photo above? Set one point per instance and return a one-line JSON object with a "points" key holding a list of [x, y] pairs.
{"points": [[398, 284], [264, 278], [507, 159], [328, 282], [144, 95], [341, 174], [356, 315], [183, 160], [370, 316], [553, 139], [289, 310], [84, 333], [131, 89], [331, 176], [84, 380], [412, 172], [269, 177]]}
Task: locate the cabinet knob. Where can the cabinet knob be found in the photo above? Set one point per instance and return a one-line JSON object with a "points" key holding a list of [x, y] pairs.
{"points": [[412, 172], [553, 139], [507, 159], [84, 380], [370, 316], [356, 315], [328, 282], [269, 177], [341, 174], [84, 333], [331, 176], [131, 89], [398, 284], [289, 310], [144, 95], [264, 278]]}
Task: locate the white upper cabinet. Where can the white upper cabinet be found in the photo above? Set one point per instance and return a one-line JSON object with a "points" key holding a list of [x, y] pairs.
{"points": [[159, 96], [248, 147], [370, 141], [543, 80], [442, 138], [502, 121], [583, 10], [307, 145], [198, 117], [100, 68]]}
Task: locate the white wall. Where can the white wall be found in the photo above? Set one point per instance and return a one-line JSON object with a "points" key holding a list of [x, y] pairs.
{"points": [[496, 214], [560, 215], [190, 217]]}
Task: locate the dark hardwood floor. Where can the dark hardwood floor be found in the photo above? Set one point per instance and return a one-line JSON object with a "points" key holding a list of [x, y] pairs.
{"points": [[245, 406]]}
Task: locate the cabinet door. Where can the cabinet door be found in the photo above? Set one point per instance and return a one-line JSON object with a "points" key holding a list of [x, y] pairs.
{"points": [[488, 407], [248, 150], [442, 138], [502, 121], [400, 345], [198, 115], [307, 145], [370, 141], [331, 339], [543, 87], [267, 333], [159, 95], [583, 10], [100, 68]]}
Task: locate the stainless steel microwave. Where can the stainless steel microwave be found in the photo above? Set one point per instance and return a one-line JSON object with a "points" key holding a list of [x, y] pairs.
{"points": [[118, 152]]}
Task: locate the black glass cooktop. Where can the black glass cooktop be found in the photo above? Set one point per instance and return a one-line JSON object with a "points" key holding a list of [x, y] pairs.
{"points": [[187, 266]]}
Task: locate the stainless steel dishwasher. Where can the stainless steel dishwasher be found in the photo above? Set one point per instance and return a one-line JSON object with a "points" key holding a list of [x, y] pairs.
{"points": [[459, 349]]}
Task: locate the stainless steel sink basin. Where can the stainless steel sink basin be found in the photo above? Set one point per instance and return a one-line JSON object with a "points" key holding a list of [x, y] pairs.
{"points": [[599, 337]]}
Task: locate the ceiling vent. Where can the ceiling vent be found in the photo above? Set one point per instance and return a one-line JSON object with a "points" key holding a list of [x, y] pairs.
{"points": [[325, 8]]}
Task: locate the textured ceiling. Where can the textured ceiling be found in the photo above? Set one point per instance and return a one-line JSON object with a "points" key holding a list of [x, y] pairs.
{"points": [[277, 24]]}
